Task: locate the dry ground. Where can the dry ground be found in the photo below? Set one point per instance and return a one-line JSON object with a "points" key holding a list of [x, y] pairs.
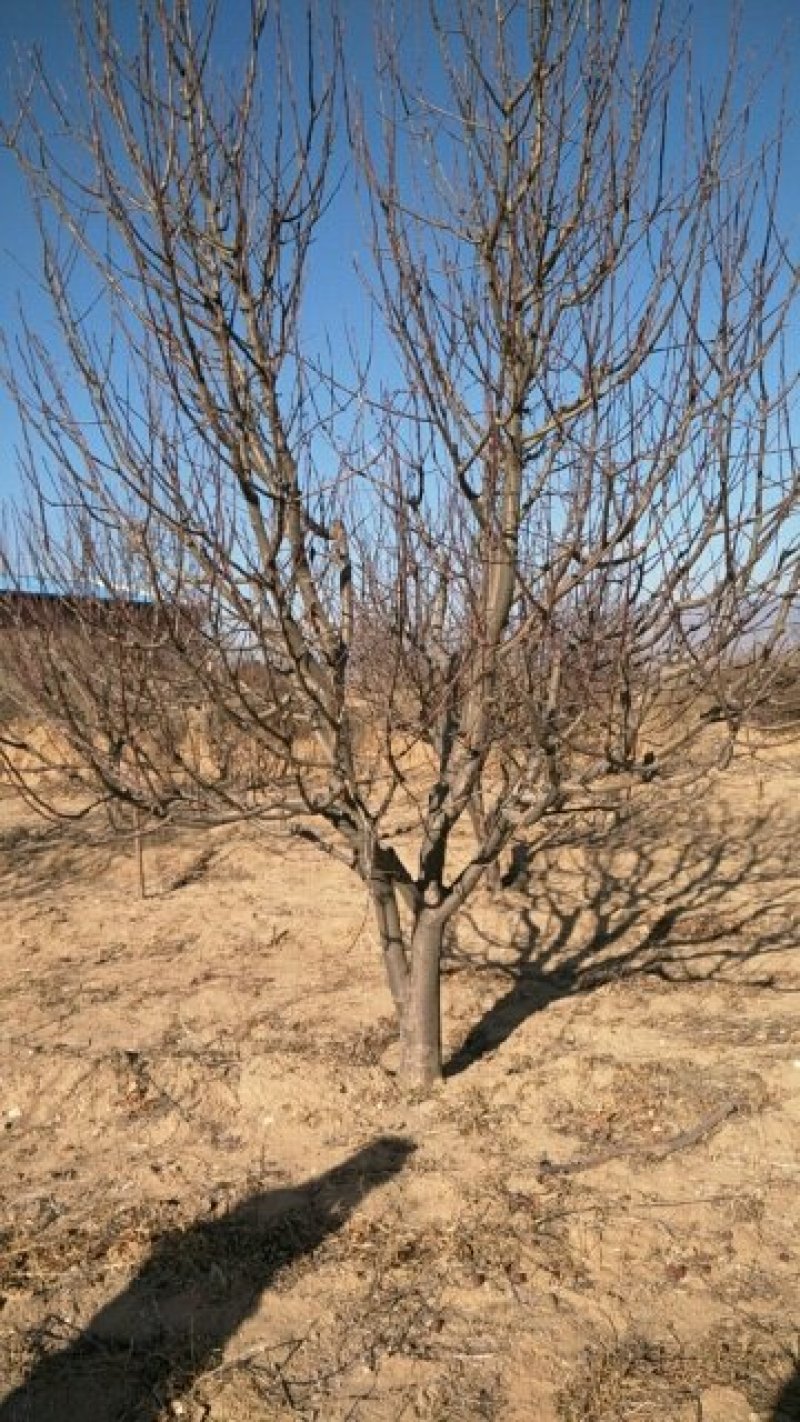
{"points": [[216, 1203]]}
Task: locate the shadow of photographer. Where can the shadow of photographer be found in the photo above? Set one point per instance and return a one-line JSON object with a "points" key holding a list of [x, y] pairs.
{"points": [[787, 1403], [195, 1289]]}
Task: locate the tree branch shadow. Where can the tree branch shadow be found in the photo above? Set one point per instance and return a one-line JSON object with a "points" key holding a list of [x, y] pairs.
{"points": [[660, 897], [197, 1286], [41, 856]]}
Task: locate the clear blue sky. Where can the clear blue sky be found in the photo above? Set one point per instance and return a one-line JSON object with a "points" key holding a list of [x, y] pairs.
{"points": [[770, 36]]}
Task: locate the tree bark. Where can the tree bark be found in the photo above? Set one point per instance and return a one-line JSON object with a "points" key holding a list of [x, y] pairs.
{"points": [[391, 935], [420, 1023], [493, 873]]}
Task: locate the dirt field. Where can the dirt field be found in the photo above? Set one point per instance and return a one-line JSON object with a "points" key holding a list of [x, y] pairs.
{"points": [[216, 1203]]}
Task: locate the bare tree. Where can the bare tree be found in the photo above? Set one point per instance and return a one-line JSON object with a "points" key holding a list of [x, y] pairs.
{"points": [[414, 619]]}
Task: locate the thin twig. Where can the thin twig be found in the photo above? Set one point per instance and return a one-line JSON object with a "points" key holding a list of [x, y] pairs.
{"points": [[139, 851], [683, 1141]]}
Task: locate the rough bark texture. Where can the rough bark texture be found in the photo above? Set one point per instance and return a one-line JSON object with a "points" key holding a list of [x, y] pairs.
{"points": [[420, 1024]]}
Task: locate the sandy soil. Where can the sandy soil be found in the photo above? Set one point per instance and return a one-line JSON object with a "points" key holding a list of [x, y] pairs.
{"points": [[217, 1204]]}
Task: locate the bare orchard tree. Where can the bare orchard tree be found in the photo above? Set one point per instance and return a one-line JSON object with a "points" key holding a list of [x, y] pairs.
{"points": [[420, 604]]}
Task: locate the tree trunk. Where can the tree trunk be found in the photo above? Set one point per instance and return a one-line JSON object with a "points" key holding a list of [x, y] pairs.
{"points": [[420, 1022]]}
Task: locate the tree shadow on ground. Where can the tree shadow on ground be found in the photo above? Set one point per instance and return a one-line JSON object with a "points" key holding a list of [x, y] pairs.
{"points": [[39, 856], [787, 1403], [681, 896], [198, 1285]]}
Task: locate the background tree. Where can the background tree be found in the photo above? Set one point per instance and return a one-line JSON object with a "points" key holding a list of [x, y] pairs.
{"points": [[410, 619]]}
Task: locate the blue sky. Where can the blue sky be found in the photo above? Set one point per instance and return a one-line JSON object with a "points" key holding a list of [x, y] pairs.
{"points": [[770, 39]]}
